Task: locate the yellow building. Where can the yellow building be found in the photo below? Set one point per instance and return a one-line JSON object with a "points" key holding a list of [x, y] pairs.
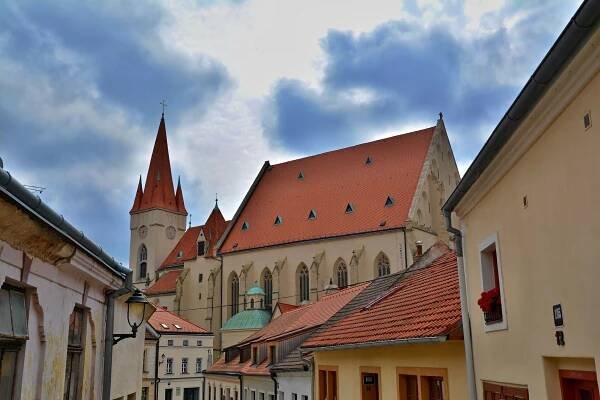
{"points": [[528, 223], [401, 338]]}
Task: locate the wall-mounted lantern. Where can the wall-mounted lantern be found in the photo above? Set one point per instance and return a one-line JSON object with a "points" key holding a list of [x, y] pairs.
{"points": [[136, 304]]}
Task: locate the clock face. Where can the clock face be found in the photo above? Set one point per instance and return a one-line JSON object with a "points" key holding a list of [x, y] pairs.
{"points": [[143, 231], [170, 231]]}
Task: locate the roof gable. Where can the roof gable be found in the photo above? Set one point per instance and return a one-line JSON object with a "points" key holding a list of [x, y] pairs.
{"points": [[330, 181], [167, 283], [165, 322]]}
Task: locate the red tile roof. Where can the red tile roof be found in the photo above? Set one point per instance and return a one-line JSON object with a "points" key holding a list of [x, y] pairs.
{"points": [[425, 302], [162, 317], [188, 244], [284, 307], [330, 181], [167, 283], [158, 191], [289, 324]]}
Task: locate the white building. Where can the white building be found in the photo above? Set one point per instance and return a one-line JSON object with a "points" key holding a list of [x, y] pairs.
{"points": [[61, 300], [184, 351]]}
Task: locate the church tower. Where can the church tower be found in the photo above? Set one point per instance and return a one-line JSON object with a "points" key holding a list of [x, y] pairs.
{"points": [[158, 214]]}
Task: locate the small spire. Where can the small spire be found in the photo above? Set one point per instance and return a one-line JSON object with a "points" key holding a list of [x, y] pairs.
{"points": [[180, 204], [139, 194], [216, 200], [163, 103], [190, 224], [441, 115]]}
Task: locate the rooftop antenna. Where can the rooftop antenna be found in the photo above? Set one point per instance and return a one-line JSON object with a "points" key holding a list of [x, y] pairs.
{"points": [[33, 188], [163, 103]]}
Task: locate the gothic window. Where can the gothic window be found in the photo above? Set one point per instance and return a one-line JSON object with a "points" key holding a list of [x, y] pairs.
{"points": [[235, 294], [382, 264], [341, 271], [201, 248], [76, 341], [143, 261], [303, 283], [267, 283]]}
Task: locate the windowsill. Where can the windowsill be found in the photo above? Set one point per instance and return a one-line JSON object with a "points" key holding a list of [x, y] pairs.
{"points": [[495, 326]]}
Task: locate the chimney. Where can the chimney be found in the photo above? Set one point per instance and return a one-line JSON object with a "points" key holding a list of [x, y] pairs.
{"points": [[331, 287], [419, 249]]}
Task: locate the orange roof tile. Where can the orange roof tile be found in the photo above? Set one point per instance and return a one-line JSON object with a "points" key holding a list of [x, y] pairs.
{"points": [[425, 302], [284, 307], [329, 182], [179, 198], [167, 283], [188, 245], [158, 191], [162, 317]]}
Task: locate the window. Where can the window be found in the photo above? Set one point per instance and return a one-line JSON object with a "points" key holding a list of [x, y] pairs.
{"points": [[142, 261], [303, 283], [186, 342], [494, 391], [199, 343], [170, 342], [9, 353], [491, 301], [168, 394], [281, 395], [389, 201], [312, 214], [422, 383], [169, 366], [235, 294], [254, 355], [349, 208], [369, 160], [177, 326], [267, 282], [200, 278], [13, 314], [278, 220], [184, 365], [341, 272], [300, 175], [76, 341], [261, 396], [198, 365], [253, 395], [145, 393], [245, 226], [271, 396], [272, 354], [145, 361], [294, 396], [209, 358], [382, 264], [304, 397], [328, 384], [201, 248], [180, 254]]}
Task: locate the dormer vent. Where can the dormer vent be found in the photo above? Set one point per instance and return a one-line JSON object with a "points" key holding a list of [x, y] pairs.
{"points": [[349, 208], [300, 175], [389, 201], [312, 214], [369, 160], [245, 226], [278, 220]]}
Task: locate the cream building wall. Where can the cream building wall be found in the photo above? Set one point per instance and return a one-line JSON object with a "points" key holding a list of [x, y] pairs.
{"points": [[220, 385], [546, 246], [386, 360], [154, 236]]}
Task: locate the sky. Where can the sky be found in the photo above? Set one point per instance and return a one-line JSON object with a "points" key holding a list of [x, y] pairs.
{"points": [[245, 81]]}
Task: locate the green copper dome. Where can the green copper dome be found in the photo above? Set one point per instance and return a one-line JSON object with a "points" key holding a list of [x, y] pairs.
{"points": [[248, 319], [255, 291]]}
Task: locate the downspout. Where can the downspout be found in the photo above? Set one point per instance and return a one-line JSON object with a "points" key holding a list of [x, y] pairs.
{"points": [[275, 384], [108, 334], [242, 387], [203, 388], [405, 250], [220, 257], [156, 380], [466, 323]]}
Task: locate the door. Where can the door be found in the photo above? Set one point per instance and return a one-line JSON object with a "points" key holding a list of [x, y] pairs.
{"points": [[191, 394], [579, 385], [168, 394], [370, 386]]}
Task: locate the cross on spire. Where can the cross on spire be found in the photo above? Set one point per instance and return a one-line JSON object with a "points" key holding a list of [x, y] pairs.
{"points": [[216, 200], [163, 103]]}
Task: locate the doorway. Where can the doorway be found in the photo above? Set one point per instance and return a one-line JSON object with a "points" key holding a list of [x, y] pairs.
{"points": [[579, 385], [191, 394], [369, 386]]}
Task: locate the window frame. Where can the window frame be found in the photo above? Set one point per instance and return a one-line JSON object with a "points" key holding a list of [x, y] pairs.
{"points": [[484, 245], [76, 350], [169, 366], [303, 284], [185, 366], [423, 373], [198, 364]]}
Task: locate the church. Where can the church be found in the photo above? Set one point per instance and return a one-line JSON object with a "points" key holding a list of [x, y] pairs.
{"points": [[328, 220]]}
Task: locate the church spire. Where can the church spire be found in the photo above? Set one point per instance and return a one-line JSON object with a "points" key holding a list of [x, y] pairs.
{"points": [[139, 194], [179, 198], [158, 190]]}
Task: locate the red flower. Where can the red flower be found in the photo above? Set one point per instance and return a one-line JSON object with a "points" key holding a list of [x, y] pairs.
{"points": [[489, 299]]}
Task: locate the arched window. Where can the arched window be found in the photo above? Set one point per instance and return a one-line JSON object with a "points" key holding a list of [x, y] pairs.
{"points": [[382, 264], [143, 261], [341, 272], [235, 294], [303, 283], [252, 304], [267, 284]]}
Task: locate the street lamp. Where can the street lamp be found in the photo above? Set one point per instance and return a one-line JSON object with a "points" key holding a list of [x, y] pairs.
{"points": [[136, 304]]}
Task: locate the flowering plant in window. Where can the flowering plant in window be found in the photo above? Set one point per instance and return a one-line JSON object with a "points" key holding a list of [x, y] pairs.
{"points": [[489, 299]]}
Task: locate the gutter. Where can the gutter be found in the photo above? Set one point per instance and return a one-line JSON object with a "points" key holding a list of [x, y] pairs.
{"points": [[464, 306], [579, 28], [108, 334], [394, 342], [33, 205], [156, 380]]}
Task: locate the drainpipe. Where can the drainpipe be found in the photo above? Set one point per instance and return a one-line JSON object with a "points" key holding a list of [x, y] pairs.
{"points": [[466, 323], [203, 388], [108, 334], [220, 256], [275, 384], [405, 250], [242, 387], [156, 380]]}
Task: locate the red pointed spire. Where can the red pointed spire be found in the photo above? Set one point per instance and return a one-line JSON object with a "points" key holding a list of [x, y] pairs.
{"points": [[158, 191], [139, 194], [179, 198]]}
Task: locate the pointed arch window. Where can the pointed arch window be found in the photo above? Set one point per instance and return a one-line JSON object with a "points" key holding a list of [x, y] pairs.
{"points": [[383, 265], [341, 271], [143, 261], [267, 283], [235, 294], [303, 283]]}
